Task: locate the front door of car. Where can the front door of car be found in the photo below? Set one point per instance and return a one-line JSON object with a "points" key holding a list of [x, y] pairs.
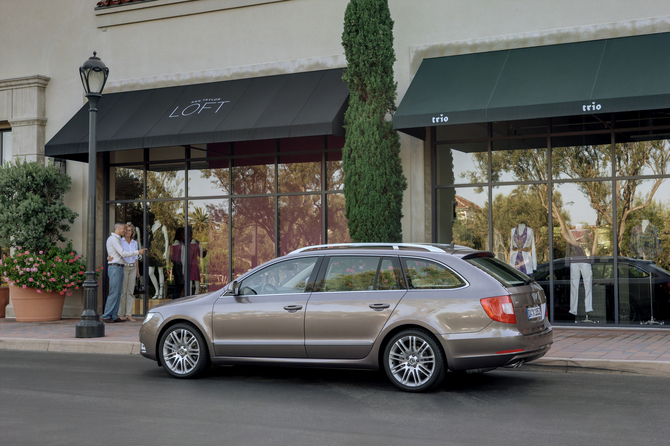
{"points": [[267, 318], [353, 299]]}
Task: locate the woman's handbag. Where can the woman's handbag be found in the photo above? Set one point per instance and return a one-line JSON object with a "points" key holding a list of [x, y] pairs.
{"points": [[139, 288]]}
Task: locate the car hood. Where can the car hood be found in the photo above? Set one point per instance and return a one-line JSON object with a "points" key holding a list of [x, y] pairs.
{"points": [[186, 300]]}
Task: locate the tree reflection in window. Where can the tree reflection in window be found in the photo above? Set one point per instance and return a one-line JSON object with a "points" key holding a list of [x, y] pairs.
{"points": [[424, 274], [350, 274]]}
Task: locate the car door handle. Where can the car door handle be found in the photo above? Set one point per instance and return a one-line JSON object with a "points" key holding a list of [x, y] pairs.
{"points": [[292, 308], [379, 306]]}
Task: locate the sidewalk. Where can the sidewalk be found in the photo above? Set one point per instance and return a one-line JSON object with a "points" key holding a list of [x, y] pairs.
{"points": [[582, 349]]}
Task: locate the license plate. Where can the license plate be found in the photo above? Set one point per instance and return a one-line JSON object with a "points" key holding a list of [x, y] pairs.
{"points": [[534, 312]]}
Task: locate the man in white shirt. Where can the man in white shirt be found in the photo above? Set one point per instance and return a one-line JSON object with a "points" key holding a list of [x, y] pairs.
{"points": [[115, 272]]}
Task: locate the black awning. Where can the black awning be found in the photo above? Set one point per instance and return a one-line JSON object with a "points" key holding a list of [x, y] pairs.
{"points": [[601, 76], [283, 106]]}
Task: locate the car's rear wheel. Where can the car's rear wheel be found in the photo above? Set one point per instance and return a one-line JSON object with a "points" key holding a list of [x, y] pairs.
{"points": [[414, 361], [183, 351]]}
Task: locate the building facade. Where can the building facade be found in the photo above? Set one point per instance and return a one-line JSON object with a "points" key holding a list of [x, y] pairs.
{"points": [[220, 135]]}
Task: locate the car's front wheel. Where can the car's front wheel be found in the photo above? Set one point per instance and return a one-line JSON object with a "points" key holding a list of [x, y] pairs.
{"points": [[183, 351], [414, 361]]}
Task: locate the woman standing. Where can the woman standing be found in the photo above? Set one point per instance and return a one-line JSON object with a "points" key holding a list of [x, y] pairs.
{"points": [[130, 273]]}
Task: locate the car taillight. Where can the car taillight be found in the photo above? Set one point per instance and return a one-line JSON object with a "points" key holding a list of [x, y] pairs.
{"points": [[666, 287], [500, 309]]}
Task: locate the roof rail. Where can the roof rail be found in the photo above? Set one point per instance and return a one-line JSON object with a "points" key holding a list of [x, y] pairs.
{"points": [[426, 247]]}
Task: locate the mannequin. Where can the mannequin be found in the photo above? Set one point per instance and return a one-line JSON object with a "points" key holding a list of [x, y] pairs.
{"points": [[645, 241], [580, 265], [194, 265], [178, 258], [153, 265], [138, 238], [522, 249]]}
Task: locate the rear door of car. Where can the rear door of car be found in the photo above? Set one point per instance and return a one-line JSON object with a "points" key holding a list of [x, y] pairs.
{"points": [[354, 297]]}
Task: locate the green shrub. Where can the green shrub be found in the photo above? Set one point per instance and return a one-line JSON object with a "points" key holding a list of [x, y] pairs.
{"points": [[33, 214]]}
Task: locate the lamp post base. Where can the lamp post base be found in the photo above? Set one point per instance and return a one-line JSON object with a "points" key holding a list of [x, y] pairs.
{"points": [[90, 325]]}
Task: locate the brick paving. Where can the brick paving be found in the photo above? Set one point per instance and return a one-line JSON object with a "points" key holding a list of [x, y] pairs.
{"points": [[65, 329], [611, 343]]}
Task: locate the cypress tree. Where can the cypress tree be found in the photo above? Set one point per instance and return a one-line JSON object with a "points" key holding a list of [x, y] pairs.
{"points": [[373, 178]]}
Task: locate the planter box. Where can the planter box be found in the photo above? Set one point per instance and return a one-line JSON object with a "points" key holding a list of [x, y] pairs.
{"points": [[31, 306]]}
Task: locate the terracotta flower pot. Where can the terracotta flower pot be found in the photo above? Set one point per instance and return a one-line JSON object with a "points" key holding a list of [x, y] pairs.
{"points": [[4, 300], [31, 306]]}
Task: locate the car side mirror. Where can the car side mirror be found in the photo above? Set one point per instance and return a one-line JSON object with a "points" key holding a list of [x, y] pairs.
{"points": [[236, 288]]}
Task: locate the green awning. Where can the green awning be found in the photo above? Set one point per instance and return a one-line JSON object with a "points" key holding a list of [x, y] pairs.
{"points": [[601, 76]]}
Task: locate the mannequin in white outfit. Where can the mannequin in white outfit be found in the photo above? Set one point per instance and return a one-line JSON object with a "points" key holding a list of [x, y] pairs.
{"points": [[160, 285], [194, 265]]}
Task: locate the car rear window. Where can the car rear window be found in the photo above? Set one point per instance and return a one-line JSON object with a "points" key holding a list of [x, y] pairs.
{"points": [[501, 271]]}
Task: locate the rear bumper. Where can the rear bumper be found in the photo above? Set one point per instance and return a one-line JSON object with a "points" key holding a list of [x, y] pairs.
{"points": [[498, 345]]}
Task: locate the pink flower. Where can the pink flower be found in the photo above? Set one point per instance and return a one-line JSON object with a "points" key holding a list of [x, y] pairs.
{"points": [[39, 291], [24, 287], [61, 293], [41, 252], [81, 273], [30, 280]]}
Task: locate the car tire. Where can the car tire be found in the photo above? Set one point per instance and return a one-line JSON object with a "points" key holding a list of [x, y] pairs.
{"points": [[183, 351], [414, 361]]}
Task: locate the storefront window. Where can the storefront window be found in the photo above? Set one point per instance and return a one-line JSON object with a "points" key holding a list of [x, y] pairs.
{"points": [[520, 226], [253, 176], [165, 181], [253, 233], [127, 183], [209, 178], [583, 289], [337, 231], [644, 224], [635, 155], [300, 222], [335, 171], [209, 248], [591, 181], [300, 173], [463, 216], [519, 160], [166, 236]]}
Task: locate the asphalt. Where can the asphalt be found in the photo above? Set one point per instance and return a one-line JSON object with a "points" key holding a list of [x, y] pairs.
{"points": [[582, 349]]}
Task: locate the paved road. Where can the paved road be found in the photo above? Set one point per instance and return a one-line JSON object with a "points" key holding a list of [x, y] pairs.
{"points": [[70, 399]]}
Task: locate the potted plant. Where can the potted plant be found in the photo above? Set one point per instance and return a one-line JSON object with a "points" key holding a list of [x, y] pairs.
{"points": [[33, 217], [41, 280]]}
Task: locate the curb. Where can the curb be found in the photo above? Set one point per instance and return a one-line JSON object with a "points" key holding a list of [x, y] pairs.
{"points": [[600, 366], [70, 346]]}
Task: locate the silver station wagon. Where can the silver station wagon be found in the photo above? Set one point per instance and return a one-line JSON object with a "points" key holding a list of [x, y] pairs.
{"points": [[413, 310]]}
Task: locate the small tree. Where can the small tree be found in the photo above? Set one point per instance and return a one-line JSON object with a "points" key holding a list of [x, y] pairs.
{"points": [[33, 214], [373, 178]]}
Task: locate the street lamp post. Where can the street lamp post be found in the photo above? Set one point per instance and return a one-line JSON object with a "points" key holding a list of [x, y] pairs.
{"points": [[93, 75]]}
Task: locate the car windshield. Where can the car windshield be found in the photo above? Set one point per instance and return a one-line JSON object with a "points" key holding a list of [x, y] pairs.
{"points": [[504, 273]]}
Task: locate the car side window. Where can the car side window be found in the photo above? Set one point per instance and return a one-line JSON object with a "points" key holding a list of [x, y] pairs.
{"points": [[425, 275], [289, 276], [390, 276], [627, 271], [350, 273]]}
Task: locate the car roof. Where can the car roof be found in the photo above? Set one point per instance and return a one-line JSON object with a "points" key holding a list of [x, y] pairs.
{"points": [[396, 248]]}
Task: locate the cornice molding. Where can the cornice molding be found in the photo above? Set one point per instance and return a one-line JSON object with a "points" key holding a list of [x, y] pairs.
{"points": [[25, 82], [27, 122]]}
